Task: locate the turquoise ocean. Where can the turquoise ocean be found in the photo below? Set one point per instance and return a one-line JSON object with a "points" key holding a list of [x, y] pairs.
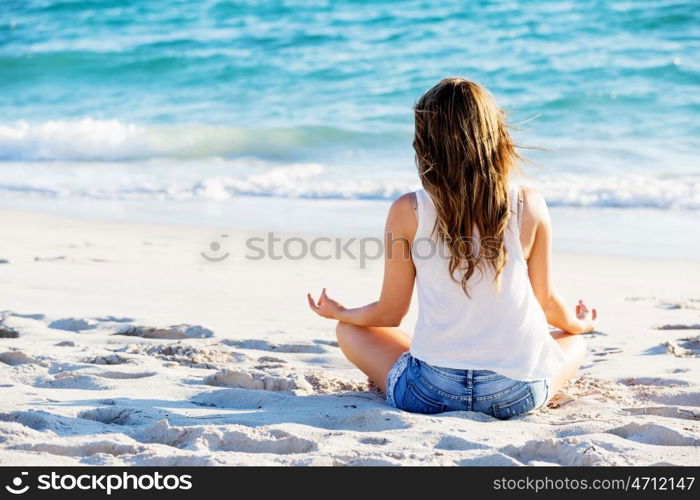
{"points": [[234, 112]]}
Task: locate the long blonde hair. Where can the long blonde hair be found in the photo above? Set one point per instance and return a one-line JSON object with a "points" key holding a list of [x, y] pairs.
{"points": [[464, 156]]}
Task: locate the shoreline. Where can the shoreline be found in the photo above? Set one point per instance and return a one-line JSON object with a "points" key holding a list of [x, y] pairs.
{"points": [[655, 234]]}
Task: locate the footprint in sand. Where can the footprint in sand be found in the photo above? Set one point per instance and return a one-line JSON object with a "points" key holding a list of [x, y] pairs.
{"points": [[331, 343], [259, 380], [264, 345], [38, 420], [665, 411], [108, 359], [375, 441], [37, 317], [655, 381], [455, 443], [601, 354], [114, 319], [206, 357], [269, 362], [606, 351], [313, 382], [114, 415], [569, 451], [16, 358], [669, 392], [270, 359], [10, 332], [678, 397], [7, 332], [83, 449], [232, 437], [71, 380], [678, 326], [72, 324], [687, 347], [170, 332], [672, 304], [655, 434], [489, 460]]}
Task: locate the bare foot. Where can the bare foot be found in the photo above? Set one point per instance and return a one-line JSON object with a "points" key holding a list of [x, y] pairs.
{"points": [[558, 400], [371, 386]]}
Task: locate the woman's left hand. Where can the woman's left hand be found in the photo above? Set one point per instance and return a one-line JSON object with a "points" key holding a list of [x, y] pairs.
{"points": [[326, 307], [588, 319]]}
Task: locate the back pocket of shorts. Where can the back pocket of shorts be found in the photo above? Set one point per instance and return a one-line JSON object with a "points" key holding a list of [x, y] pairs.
{"points": [[522, 403], [416, 401]]}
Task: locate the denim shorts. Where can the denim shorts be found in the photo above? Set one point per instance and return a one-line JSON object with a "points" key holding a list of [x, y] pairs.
{"points": [[419, 387]]}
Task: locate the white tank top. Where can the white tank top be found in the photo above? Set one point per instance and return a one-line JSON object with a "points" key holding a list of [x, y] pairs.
{"points": [[504, 331]]}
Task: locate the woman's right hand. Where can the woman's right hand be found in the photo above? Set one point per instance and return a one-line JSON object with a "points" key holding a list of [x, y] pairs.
{"points": [[326, 307], [587, 318]]}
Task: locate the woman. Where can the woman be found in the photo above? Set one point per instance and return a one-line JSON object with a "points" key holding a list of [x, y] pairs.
{"points": [[479, 251]]}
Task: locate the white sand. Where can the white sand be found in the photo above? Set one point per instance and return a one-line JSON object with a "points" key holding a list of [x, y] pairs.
{"points": [[232, 368]]}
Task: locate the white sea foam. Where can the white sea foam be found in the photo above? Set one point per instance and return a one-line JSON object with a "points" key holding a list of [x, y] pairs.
{"points": [[627, 191], [83, 139], [88, 139], [109, 159], [219, 179], [304, 181]]}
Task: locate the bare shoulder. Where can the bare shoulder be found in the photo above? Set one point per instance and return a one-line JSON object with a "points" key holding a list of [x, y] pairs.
{"points": [[535, 220], [405, 202], [534, 206], [402, 215]]}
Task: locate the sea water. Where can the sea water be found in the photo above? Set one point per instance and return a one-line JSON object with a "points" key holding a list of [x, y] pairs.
{"points": [[234, 113]]}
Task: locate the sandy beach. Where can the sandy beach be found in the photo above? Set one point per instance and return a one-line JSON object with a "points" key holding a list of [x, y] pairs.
{"points": [[122, 345]]}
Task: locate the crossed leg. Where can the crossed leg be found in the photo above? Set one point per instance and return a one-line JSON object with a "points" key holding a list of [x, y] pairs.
{"points": [[574, 348], [374, 350]]}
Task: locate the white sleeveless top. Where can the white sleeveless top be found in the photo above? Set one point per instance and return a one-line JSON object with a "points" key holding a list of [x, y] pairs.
{"points": [[504, 331]]}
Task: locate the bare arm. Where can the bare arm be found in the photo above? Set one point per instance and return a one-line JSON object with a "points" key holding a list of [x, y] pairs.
{"points": [[537, 244], [399, 275]]}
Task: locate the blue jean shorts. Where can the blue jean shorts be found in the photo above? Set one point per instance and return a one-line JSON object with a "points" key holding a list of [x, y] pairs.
{"points": [[419, 387]]}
